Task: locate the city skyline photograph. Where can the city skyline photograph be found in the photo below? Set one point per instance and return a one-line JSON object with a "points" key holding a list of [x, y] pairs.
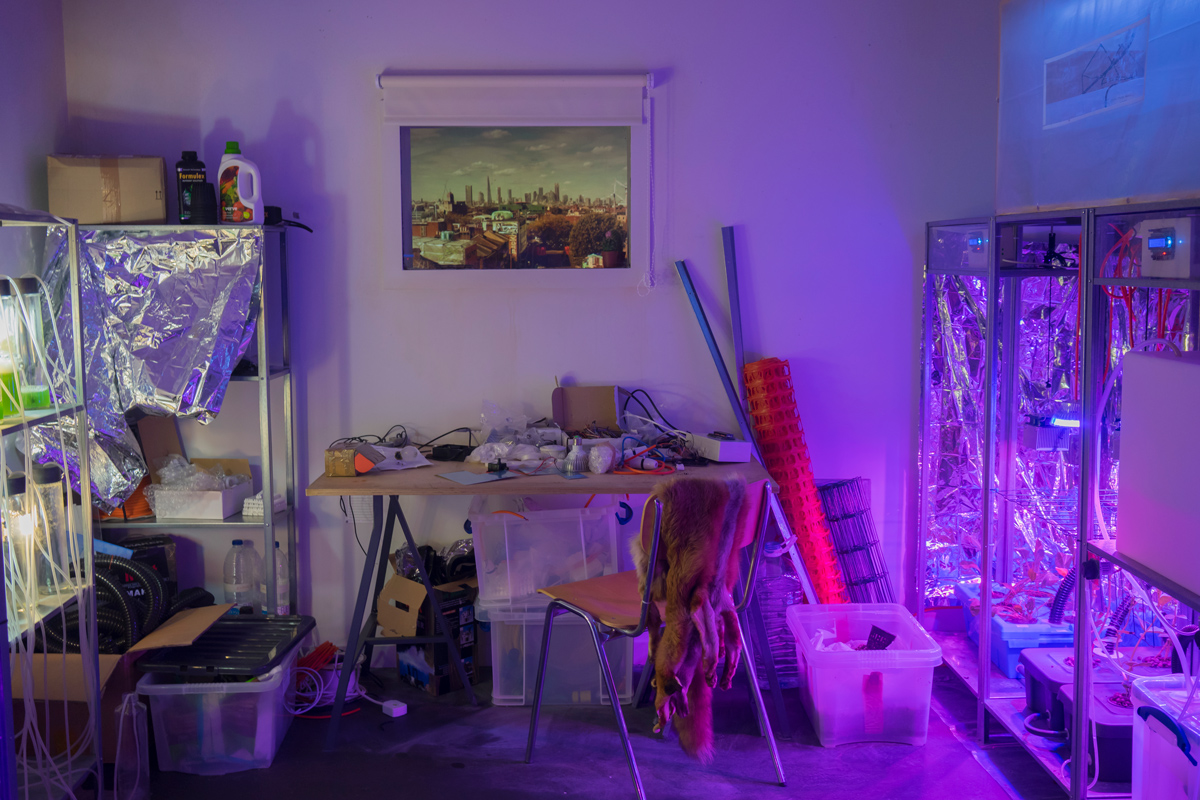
{"points": [[587, 162]]}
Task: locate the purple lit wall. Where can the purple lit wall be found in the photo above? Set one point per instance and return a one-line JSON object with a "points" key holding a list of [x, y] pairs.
{"points": [[33, 98], [828, 133]]}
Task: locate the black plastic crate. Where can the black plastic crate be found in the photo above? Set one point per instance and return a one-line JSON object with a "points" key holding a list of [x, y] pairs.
{"points": [[246, 646]]}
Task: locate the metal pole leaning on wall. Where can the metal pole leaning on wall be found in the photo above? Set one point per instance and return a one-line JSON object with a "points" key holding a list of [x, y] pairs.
{"points": [[744, 425]]}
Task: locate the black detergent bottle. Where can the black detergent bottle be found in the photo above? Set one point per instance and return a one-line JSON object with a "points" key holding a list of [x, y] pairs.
{"points": [[191, 176]]}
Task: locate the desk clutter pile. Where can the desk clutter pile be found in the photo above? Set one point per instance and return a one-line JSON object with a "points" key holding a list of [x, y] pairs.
{"points": [[592, 431]]}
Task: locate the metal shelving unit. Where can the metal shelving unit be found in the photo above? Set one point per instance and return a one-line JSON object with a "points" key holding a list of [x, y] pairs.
{"points": [[999, 320], [1098, 354], [29, 777], [962, 523], [273, 347]]}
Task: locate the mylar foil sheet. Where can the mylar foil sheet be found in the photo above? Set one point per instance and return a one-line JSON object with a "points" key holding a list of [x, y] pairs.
{"points": [[114, 457], [166, 316], [953, 446], [1037, 501], [178, 305], [1034, 499]]}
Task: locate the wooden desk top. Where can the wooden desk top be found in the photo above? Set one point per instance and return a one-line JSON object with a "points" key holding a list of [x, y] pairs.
{"points": [[425, 481]]}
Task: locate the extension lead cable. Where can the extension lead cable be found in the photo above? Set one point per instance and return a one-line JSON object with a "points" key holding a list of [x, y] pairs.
{"points": [[309, 697]]}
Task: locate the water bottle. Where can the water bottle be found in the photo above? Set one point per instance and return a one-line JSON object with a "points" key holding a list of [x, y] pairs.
{"points": [[49, 504], [242, 570], [283, 606]]}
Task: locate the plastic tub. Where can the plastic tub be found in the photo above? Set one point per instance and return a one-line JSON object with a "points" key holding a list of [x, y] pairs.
{"points": [[572, 669], [865, 695], [1114, 730], [1010, 638], [218, 728], [517, 554], [1160, 768]]}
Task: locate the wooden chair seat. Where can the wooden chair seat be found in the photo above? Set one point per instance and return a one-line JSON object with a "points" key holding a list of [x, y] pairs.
{"points": [[613, 600]]}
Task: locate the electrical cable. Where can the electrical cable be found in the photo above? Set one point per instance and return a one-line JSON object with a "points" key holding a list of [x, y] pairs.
{"points": [[316, 688], [353, 520], [643, 392], [469, 432]]}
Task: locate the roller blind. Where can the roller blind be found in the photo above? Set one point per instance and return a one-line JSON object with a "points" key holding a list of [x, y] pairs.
{"points": [[469, 100]]}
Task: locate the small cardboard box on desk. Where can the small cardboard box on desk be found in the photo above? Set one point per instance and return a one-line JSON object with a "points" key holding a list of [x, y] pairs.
{"points": [[404, 610], [60, 677]]}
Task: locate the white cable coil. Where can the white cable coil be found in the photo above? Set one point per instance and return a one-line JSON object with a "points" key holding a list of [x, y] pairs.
{"points": [[318, 688]]}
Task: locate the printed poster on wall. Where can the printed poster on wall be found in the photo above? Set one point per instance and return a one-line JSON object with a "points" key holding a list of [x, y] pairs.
{"points": [[1102, 75]]}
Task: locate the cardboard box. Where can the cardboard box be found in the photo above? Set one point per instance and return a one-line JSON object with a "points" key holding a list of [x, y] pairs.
{"points": [[60, 677], [207, 505], [576, 407], [102, 190], [404, 610]]}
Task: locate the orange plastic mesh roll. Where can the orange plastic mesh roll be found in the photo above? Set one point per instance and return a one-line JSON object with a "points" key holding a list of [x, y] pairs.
{"points": [[772, 402]]}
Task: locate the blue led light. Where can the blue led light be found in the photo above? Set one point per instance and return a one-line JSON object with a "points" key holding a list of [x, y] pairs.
{"points": [[1059, 422]]}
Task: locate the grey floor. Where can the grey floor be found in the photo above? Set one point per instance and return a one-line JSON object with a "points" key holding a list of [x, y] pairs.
{"points": [[446, 749]]}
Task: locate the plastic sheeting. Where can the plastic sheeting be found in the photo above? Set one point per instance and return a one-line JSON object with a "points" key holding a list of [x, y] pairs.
{"points": [[1099, 101]]}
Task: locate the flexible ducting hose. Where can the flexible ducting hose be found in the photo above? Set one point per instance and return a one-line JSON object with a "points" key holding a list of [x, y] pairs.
{"points": [[190, 598], [1059, 606], [1115, 623], [155, 590], [122, 604]]}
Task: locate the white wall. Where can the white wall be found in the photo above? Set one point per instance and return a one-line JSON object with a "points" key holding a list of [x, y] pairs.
{"points": [[828, 133], [33, 98]]}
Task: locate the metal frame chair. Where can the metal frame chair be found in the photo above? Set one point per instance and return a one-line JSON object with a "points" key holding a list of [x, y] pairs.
{"points": [[603, 633]]}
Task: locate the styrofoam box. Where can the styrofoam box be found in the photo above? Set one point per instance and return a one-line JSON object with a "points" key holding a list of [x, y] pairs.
{"points": [[517, 555], [572, 669], [201, 505], [218, 728], [1160, 769], [865, 695]]}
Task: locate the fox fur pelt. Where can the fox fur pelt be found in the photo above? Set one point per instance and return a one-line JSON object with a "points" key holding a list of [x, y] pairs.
{"points": [[695, 572]]}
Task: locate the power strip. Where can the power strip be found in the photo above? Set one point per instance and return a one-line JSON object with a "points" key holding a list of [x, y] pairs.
{"points": [[394, 708], [727, 450]]}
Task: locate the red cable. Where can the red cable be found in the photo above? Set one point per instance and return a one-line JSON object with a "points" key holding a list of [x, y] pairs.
{"points": [[329, 716]]}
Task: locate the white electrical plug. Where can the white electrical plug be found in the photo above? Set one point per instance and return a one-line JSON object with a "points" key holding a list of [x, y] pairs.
{"points": [[394, 708]]}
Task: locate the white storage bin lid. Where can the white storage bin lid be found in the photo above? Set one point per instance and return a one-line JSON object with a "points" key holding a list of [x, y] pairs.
{"points": [[1169, 693], [913, 647]]}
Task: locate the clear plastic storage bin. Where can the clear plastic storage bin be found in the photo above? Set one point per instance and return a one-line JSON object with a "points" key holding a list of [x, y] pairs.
{"points": [[572, 669], [517, 554], [1161, 770], [218, 728], [865, 695]]}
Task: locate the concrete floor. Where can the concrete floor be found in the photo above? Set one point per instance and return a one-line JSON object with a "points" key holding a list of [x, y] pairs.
{"points": [[444, 749]]}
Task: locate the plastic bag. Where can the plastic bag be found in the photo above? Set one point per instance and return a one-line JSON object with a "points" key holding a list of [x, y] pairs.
{"points": [[499, 422], [131, 778], [177, 474], [524, 452], [601, 458], [488, 452]]}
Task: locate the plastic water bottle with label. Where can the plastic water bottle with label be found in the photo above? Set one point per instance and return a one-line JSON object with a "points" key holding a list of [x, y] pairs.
{"points": [[283, 605], [242, 570]]}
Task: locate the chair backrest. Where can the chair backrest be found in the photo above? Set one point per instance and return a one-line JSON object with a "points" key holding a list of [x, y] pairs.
{"points": [[751, 532]]}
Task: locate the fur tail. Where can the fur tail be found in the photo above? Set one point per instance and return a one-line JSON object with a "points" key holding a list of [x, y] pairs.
{"points": [[696, 730]]}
